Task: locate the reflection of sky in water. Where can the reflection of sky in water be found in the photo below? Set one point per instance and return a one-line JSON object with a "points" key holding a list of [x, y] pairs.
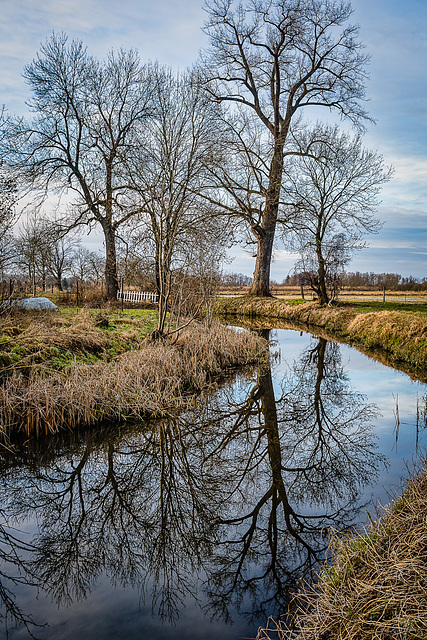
{"points": [[119, 611], [120, 615], [388, 388]]}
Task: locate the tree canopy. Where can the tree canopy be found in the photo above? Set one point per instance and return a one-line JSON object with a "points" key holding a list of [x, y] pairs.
{"points": [[276, 59]]}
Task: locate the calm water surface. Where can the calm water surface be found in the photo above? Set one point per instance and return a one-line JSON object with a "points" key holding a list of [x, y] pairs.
{"points": [[200, 526]]}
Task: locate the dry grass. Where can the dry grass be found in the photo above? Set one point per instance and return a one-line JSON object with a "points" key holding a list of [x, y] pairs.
{"points": [[402, 335], [153, 380], [55, 341], [376, 588]]}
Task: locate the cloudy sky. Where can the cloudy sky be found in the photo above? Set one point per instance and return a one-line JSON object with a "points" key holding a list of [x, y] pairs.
{"points": [[395, 34]]}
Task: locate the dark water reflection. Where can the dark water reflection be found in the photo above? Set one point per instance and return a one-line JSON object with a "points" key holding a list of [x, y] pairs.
{"points": [[181, 527]]}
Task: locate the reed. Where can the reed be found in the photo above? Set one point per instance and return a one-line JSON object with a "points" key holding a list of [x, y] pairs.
{"points": [[153, 380]]}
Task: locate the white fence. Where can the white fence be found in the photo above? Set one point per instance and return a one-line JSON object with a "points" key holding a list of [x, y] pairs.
{"points": [[137, 296]]}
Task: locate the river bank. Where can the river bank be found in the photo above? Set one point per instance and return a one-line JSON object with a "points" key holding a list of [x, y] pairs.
{"points": [[402, 335], [63, 373], [100, 363]]}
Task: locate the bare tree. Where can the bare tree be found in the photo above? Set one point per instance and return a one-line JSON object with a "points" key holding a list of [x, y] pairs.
{"points": [[136, 261], [170, 172], [275, 59], [61, 255], [33, 249], [197, 274], [335, 194], [8, 216], [87, 265], [88, 116]]}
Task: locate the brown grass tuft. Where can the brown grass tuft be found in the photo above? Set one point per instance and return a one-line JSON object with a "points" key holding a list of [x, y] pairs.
{"points": [[404, 335], [151, 381]]}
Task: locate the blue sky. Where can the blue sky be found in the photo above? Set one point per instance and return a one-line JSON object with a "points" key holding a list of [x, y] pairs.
{"points": [[395, 34]]}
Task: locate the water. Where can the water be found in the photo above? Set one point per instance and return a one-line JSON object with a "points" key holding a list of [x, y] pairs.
{"points": [[201, 526]]}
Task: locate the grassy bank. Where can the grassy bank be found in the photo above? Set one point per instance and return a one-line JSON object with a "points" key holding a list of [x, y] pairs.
{"points": [[87, 369], [57, 341], [402, 334], [376, 587]]}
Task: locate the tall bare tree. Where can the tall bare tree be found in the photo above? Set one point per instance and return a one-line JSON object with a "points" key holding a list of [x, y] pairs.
{"points": [[7, 219], [8, 198], [335, 194], [87, 119], [275, 59]]}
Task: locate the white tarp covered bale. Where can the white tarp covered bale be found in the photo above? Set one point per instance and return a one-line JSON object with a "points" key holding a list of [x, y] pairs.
{"points": [[34, 304]]}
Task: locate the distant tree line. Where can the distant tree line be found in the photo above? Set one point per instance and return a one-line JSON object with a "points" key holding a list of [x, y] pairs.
{"points": [[365, 280], [391, 281]]}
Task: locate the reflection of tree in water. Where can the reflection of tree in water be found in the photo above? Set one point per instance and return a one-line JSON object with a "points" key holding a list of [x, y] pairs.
{"points": [[135, 507], [14, 573], [233, 490], [311, 453]]}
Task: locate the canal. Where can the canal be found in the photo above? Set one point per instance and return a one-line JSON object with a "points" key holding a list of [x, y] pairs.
{"points": [[200, 526]]}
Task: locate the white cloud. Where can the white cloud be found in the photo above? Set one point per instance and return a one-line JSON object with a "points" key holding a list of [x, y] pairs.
{"points": [[378, 244], [409, 169]]}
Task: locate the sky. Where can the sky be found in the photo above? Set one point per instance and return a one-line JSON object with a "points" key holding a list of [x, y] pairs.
{"points": [[394, 32]]}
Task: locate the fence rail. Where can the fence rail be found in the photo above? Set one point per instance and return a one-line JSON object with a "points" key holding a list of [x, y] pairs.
{"points": [[137, 296]]}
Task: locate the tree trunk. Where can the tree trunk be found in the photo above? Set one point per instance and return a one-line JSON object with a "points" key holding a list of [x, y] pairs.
{"points": [[261, 284], [163, 302], [163, 274], [317, 401], [111, 280], [265, 232], [323, 293]]}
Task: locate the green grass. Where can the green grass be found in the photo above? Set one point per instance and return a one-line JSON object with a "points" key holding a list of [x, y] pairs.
{"points": [[73, 336], [374, 305]]}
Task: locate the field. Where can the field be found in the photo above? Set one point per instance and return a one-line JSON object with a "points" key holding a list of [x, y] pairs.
{"points": [[283, 292]]}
